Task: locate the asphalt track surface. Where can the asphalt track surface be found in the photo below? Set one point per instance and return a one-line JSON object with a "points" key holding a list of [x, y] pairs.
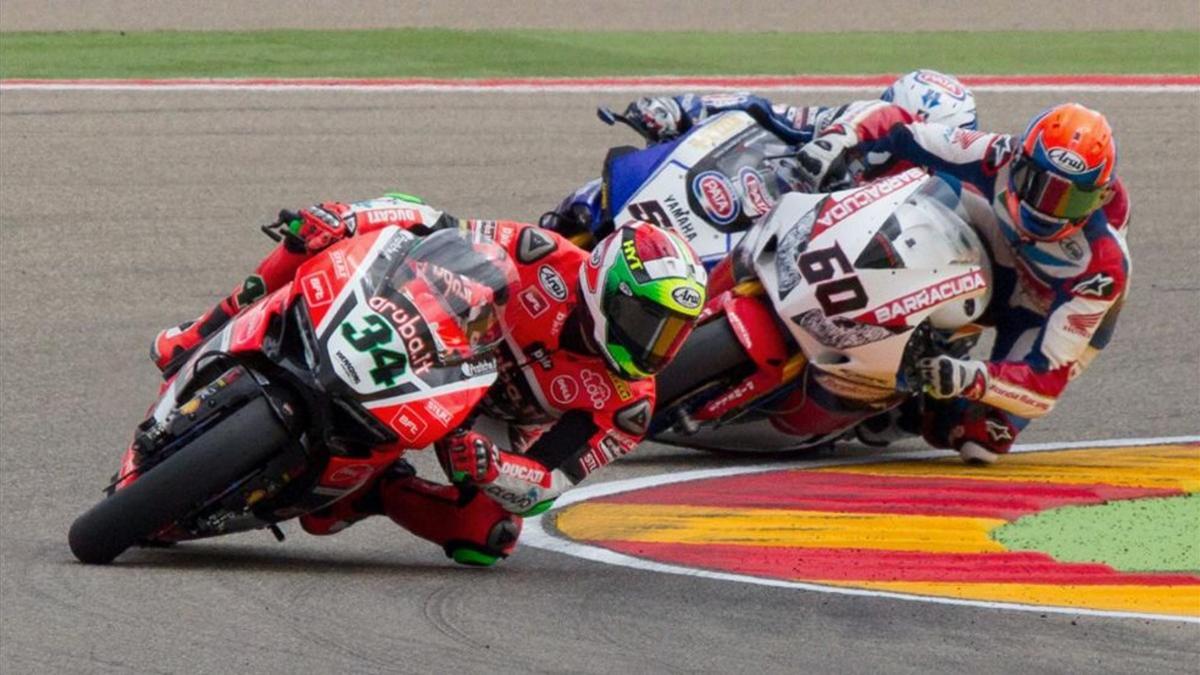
{"points": [[121, 213]]}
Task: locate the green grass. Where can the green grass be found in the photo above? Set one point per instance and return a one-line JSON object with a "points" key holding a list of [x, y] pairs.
{"points": [[1134, 535], [453, 53]]}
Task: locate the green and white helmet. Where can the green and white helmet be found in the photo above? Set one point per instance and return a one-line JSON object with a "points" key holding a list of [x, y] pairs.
{"points": [[644, 288]]}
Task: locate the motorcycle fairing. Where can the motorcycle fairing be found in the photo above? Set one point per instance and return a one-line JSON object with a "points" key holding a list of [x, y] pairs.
{"points": [[803, 255], [656, 184], [753, 324]]}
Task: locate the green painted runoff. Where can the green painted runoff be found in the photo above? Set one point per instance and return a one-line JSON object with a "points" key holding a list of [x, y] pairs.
{"points": [[1134, 535], [531, 53]]}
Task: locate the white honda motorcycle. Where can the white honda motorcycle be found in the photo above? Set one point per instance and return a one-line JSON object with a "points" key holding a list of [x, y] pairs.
{"points": [[816, 320]]}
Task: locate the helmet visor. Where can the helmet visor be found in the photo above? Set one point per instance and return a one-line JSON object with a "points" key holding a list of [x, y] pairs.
{"points": [[1053, 198], [650, 333]]}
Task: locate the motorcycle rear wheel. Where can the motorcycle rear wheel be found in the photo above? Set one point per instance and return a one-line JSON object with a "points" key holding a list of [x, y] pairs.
{"points": [[183, 482]]}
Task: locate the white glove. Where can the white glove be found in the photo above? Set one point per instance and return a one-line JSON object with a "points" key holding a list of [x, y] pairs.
{"points": [[947, 377], [823, 160], [660, 116]]}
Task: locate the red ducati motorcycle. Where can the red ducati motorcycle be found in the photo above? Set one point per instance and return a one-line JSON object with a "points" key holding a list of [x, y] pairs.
{"points": [[381, 344]]}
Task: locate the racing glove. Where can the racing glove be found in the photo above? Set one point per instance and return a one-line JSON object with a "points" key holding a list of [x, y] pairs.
{"points": [[946, 377], [660, 117], [469, 456], [823, 166], [314, 228]]}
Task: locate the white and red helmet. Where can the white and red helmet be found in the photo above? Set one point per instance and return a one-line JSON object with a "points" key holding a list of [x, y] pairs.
{"points": [[934, 97]]}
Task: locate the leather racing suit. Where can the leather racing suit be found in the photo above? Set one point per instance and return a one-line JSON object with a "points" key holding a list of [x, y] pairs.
{"points": [[1055, 304]]}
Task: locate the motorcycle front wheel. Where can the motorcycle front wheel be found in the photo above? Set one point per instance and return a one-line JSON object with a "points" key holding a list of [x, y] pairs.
{"points": [[179, 485], [711, 351]]}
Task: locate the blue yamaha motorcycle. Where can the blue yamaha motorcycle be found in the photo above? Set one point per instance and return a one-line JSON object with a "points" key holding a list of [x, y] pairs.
{"points": [[710, 185]]}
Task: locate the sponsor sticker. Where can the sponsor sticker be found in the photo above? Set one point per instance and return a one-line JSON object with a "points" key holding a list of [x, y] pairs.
{"points": [[564, 389], [438, 411], [965, 137], [716, 131], [341, 268], [538, 354], [478, 367], [409, 425], [1083, 324], [504, 234], [623, 391], [687, 297], [899, 309], [317, 291], [410, 328], [529, 474], [1099, 285], [533, 301], [345, 367], [1072, 249], [836, 212], [1067, 160], [552, 282], [755, 190], [715, 195], [735, 395], [520, 501], [597, 389], [940, 81], [392, 215]]}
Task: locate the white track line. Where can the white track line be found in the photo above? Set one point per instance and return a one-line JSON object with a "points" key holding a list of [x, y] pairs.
{"points": [[538, 536]]}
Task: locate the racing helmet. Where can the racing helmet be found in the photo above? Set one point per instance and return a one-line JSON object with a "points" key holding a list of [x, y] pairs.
{"points": [[934, 97], [1062, 173], [643, 287]]}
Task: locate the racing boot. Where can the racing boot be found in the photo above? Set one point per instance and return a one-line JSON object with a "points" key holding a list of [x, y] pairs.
{"points": [[172, 346], [469, 526], [979, 433], [974, 453]]}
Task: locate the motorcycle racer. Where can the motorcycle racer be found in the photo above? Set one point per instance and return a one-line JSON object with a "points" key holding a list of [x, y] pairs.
{"points": [[921, 95], [926, 95], [1053, 211], [573, 387]]}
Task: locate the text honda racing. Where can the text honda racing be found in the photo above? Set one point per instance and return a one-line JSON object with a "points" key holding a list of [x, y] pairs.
{"points": [[380, 344], [816, 321]]}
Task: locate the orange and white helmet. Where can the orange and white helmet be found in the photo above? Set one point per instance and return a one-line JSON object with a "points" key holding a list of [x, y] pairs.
{"points": [[1062, 174]]}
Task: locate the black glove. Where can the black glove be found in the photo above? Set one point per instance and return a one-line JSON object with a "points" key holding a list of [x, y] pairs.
{"points": [[823, 166]]}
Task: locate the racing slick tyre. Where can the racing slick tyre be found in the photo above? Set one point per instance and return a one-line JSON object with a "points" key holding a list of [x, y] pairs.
{"points": [[710, 351], [173, 489]]}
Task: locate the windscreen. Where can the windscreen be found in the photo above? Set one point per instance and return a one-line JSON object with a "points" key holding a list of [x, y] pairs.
{"points": [[450, 286], [923, 229]]}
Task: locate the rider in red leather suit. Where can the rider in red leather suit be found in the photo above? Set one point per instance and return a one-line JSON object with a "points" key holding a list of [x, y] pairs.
{"points": [[573, 385]]}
